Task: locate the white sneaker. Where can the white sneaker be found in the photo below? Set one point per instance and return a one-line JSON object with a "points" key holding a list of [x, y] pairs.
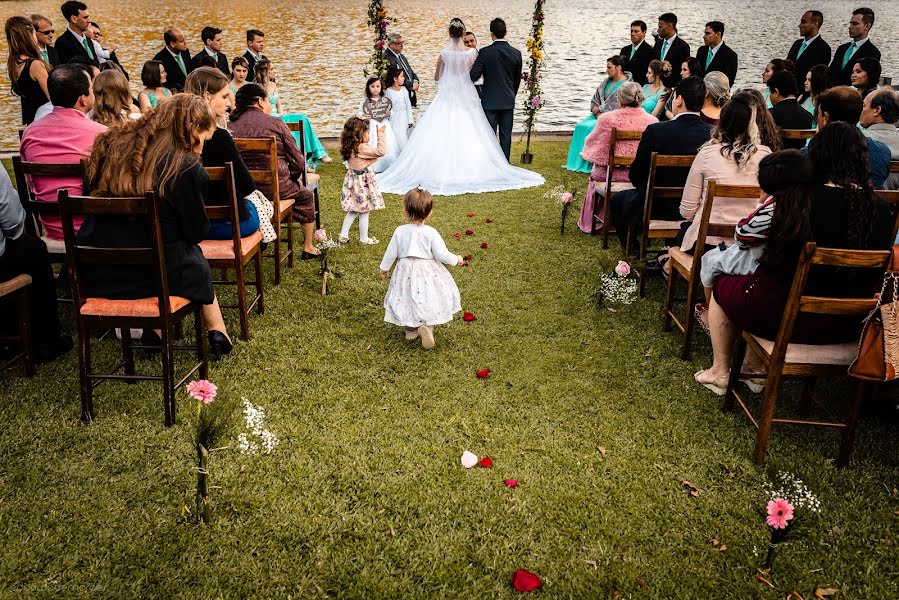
{"points": [[343, 240], [427, 337], [370, 241]]}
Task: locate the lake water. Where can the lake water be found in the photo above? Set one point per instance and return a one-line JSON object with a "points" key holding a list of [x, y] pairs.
{"points": [[320, 48]]}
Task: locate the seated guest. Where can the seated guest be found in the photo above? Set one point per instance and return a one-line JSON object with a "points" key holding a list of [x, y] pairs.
{"points": [[865, 75], [715, 55], [153, 75], [26, 68], [842, 103], [604, 100], [264, 76], [112, 99], [682, 135], [174, 58], [64, 136], [74, 41], [880, 112], [212, 85], [655, 92], [731, 157], [43, 28], [717, 93], [786, 112], [23, 254], [240, 69], [838, 210], [817, 81], [638, 53], [861, 46], [251, 118], [691, 67], [775, 66], [255, 46], [629, 116], [212, 47], [158, 152], [769, 134]]}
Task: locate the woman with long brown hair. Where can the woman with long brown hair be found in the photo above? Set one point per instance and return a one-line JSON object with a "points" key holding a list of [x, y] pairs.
{"points": [[160, 152], [27, 70], [112, 99]]}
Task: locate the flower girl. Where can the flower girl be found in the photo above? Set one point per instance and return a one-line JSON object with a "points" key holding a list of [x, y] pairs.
{"points": [[376, 109], [422, 292], [360, 194], [401, 112]]}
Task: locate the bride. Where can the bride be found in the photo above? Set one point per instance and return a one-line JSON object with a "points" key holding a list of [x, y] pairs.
{"points": [[452, 149]]}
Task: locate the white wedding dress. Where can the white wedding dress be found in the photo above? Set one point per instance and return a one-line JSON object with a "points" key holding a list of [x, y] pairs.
{"points": [[452, 149]]}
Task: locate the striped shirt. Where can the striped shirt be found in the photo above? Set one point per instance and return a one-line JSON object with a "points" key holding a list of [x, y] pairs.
{"points": [[755, 228]]}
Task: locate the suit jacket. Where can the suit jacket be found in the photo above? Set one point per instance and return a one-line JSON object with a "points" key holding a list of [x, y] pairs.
{"points": [[500, 64], [52, 56], [789, 114], [840, 75], [252, 60], [677, 54], [640, 63], [221, 63], [817, 53], [725, 60], [174, 76], [67, 46], [399, 61]]}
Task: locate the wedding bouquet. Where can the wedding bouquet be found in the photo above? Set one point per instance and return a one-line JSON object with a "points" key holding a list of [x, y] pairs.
{"points": [[788, 498], [324, 244], [621, 287]]}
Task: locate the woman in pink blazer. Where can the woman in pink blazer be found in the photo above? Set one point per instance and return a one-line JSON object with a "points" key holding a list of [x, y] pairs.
{"points": [[629, 116]]}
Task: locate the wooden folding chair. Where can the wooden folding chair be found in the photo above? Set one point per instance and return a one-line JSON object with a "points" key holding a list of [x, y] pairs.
{"points": [[785, 360], [16, 290], [235, 253], [892, 198], [688, 267], [283, 208], [161, 312], [309, 180], [798, 134], [656, 228], [615, 160]]}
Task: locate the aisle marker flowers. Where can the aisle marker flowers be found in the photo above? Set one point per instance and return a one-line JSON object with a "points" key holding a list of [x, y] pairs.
{"points": [[379, 22], [531, 77], [788, 497]]}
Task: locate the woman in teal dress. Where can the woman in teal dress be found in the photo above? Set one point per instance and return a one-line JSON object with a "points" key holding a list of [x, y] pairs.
{"points": [[655, 89], [153, 77], [604, 100], [817, 81]]}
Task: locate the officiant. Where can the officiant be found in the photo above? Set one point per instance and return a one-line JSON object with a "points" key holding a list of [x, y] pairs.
{"points": [[394, 55]]}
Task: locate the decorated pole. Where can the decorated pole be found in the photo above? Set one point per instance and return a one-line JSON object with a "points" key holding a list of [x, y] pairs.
{"points": [[379, 22], [531, 77]]}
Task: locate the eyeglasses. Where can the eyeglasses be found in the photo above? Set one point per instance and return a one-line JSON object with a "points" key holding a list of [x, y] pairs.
{"points": [[47, 32]]}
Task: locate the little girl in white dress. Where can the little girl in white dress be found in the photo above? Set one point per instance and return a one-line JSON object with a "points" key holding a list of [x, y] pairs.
{"points": [[422, 292], [376, 109], [401, 111]]}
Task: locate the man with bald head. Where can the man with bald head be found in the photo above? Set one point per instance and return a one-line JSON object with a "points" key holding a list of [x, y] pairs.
{"points": [[174, 58], [394, 55]]}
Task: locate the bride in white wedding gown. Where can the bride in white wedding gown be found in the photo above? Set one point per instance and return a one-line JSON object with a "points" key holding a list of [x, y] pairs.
{"points": [[452, 149]]}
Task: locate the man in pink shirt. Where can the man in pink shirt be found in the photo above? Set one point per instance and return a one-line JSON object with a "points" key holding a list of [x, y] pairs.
{"points": [[66, 135]]}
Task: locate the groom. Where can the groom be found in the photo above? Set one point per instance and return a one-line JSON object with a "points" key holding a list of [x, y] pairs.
{"points": [[500, 64]]}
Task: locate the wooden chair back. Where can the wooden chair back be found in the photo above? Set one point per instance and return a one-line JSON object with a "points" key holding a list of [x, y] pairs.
{"points": [[615, 160], [894, 166], [225, 209], [891, 197], [24, 171], [798, 134], [297, 127], [252, 147]]}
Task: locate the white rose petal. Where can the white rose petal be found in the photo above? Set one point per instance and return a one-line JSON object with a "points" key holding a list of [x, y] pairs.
{"points": [[469, 460]]}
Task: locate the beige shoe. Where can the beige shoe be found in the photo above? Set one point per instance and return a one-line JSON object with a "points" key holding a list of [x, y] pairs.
{"points": [[411, 333], [427, 337], [327, 160]]}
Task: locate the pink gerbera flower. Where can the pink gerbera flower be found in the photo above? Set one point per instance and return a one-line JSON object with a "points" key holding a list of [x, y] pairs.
{"points": [[780, 512], [202, 390]]}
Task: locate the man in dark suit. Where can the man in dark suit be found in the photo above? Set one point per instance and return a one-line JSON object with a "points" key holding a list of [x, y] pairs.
{"points": [[670, 46], [73, 41], [682, 135], [810, 49], [785, 110], [638, 53], [174, 58], [500, 64], [860, 47], [255, 46], [715, 55], [44, 31], [212, 42], [471, 41], [394, 55]]}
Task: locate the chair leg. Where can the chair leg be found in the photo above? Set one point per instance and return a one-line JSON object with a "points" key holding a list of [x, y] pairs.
{"points": [[593, 217], [690, 322], [276, 222], [200, 332], [128, 351], [168, 377], [769, 401], [318, 220], [242, 302], [84, 367], [730, 396], [25, 333], [669, 300], [290, 250], [257, 262], [848, 437], [805, 400], [606, 219]]}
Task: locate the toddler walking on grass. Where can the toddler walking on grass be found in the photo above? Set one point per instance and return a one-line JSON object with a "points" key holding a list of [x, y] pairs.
{"points": [[422, 292], [360, 194]]}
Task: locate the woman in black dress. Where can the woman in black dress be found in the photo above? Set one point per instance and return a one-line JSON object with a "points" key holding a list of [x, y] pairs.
{"points": [[27, 70], [161, 152]]}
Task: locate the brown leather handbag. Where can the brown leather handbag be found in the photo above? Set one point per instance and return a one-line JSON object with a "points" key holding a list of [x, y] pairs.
{"points": [[878, 348]]}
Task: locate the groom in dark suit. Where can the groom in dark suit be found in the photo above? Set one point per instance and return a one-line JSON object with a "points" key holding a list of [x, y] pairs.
{"points": [[500, 64]]}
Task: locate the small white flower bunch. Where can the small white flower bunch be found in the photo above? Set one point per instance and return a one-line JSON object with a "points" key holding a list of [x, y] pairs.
{"points": [[619, 287], [794, 490], [259, 438]]}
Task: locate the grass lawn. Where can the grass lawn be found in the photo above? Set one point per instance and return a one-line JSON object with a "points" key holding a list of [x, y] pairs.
{"points": [[592, 410]]}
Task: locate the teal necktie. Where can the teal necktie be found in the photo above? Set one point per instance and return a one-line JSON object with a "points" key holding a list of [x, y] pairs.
{"points": [[88, 49], [849, 52], [708, 59], [180, 62], [633, 51], [664, 49], [46, 57], [802, 49]]}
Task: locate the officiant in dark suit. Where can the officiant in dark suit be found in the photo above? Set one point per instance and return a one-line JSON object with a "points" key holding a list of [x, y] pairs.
{"points": [[175, 58], [394, 55], [471, 41], [715, 55], [810, 49], [638, 53], [255, 46], [212, 47], [670, 46], [861, 46], [500, 65], [73, 41]]}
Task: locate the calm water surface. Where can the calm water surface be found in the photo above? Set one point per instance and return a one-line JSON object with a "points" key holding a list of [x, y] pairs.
{"points": [[320, 48]]}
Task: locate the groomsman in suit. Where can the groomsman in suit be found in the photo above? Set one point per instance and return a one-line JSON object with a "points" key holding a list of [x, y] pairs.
{"points": [[73, 41], [500, 65], [175, 58], [638, 53], [860, 47], [669, 46], [715, 55], [394, 55], [212, 42], [44, 31], [785, 108], [471, 41], [810, 49], [255, 46]]}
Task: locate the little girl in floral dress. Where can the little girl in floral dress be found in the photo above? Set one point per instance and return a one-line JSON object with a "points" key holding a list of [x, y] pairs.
{"points": [[422, 292], [360, 194]]}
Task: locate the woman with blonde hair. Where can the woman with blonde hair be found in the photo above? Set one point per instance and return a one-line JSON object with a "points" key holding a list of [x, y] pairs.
{"points": [[112, 99], [717, 93], [26, 68], [264, 75], [161, 152]]}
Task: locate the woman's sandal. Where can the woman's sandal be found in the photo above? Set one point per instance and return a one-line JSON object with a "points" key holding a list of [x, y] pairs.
{"points": [[717, 387]]}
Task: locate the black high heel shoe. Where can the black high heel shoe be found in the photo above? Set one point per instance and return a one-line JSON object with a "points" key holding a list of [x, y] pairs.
{"points": [[219, 345]]}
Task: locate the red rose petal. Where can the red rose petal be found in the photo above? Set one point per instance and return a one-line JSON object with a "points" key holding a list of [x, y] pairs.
{"points": [[457, 235], [486, 462], [511, 483], [469, 215], [525, 581], [464, 264], [483, 373], [467, 316], [469, 232], [484, 245], [488, 220], [468, 257]]}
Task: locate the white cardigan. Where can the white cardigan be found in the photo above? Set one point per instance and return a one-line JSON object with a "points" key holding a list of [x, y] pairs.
{"points": [[417, 241]]}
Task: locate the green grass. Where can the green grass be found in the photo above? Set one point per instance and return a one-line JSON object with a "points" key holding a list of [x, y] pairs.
{"points": [[365, 496]]}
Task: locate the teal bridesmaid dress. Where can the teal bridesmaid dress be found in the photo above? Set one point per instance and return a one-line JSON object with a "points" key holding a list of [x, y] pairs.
{"points": [[581, 131], [315, 152]]}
